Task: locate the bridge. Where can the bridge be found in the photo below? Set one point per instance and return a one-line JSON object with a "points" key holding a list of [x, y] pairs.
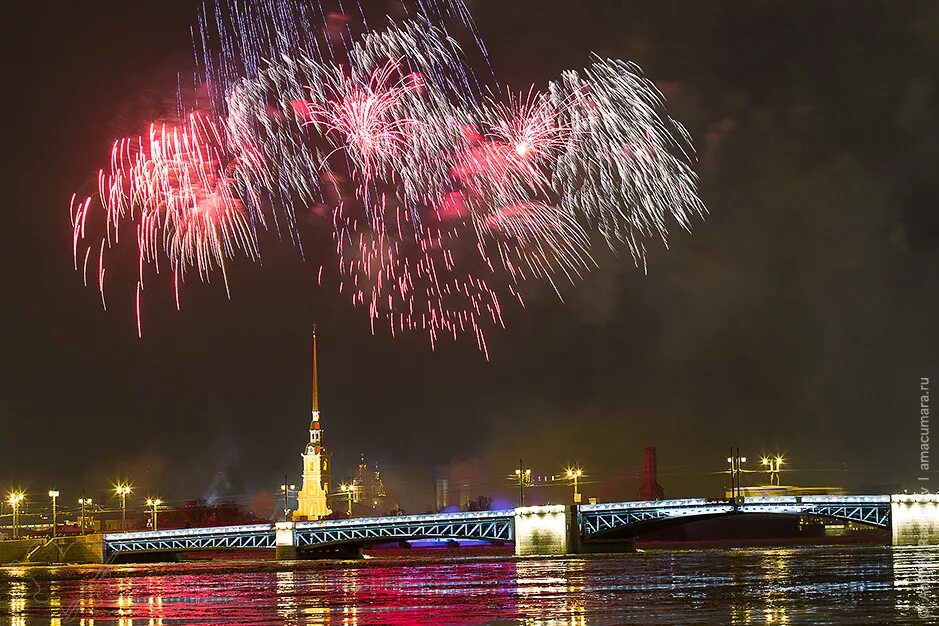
{"points": [[552, 529]]}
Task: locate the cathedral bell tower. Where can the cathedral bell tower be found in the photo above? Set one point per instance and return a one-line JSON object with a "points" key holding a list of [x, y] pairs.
{"points": [[311, 499]]}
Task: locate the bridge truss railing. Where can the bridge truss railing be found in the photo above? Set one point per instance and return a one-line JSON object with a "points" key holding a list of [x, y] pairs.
{"points": [[871, 510], [597, 518], [488, 525], [254, 536]]}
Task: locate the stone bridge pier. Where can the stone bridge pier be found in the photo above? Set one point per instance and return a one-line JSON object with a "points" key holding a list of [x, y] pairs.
{"points": [[285, 543], [914, 519], [547, 530]]}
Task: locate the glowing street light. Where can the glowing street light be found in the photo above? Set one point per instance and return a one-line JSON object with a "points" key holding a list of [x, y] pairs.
{"points": [[523, 475], [83, 502], [574, 473], [349, 490], [14, 498], [287, 489], [123, 490], [153, 503], [772, 464], [53, 494]]}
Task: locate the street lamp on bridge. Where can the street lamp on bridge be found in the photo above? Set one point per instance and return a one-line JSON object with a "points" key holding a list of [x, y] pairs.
{"points": [[83, 502], [153, 503], [123, 490], [523, 475], [736, 462], [54, 494], [14, 499], [772, 464], [286, 489], [574, 473]]}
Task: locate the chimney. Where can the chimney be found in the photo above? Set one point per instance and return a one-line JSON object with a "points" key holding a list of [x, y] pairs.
{"points": [[650, 489]]}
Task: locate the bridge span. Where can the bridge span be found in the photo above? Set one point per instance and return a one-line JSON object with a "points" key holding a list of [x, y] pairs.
{"points": [[291, 539], [551, 529], [596, 519]]}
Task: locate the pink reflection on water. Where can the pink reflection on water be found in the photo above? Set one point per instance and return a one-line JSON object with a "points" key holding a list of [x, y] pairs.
{"points": [[308, 593]]}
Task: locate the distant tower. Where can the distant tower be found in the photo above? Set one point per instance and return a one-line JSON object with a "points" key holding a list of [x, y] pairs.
{"points": [[371, 491], [311, 500], [650, 489]]}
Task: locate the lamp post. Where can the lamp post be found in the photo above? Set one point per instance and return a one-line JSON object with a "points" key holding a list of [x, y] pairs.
{"points": [[574, 473], [349, 490], [14, 499], [54, 495], [287, 489], [733, 475], [735, 461], [123, 490], [524, 476], [83, 502], [153, 503], [772, 465]]}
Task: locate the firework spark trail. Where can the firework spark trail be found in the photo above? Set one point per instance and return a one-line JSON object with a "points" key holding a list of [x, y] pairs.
{"points": [[361, 115], [628, 166], [235, 38], [176, 185], [455, 197]]}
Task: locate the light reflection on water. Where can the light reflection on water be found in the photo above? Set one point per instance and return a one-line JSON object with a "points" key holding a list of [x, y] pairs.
{"points": [[837, 585]]}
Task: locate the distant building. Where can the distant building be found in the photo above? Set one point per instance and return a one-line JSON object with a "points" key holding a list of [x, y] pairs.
{"points": [[311, 499], [370, 491], [111, 521], [441, 491]]}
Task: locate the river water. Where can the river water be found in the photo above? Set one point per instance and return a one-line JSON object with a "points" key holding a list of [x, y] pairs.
{"points": [[817, 585]]}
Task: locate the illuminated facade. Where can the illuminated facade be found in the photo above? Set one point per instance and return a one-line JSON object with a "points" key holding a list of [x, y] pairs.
{"points": [[312, 497]]}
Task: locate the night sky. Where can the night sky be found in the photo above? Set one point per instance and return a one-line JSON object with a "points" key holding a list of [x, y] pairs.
{"points": [[798, 316]]}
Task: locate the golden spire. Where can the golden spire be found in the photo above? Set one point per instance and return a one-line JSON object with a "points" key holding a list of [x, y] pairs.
{"points": [[316, 389]]}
